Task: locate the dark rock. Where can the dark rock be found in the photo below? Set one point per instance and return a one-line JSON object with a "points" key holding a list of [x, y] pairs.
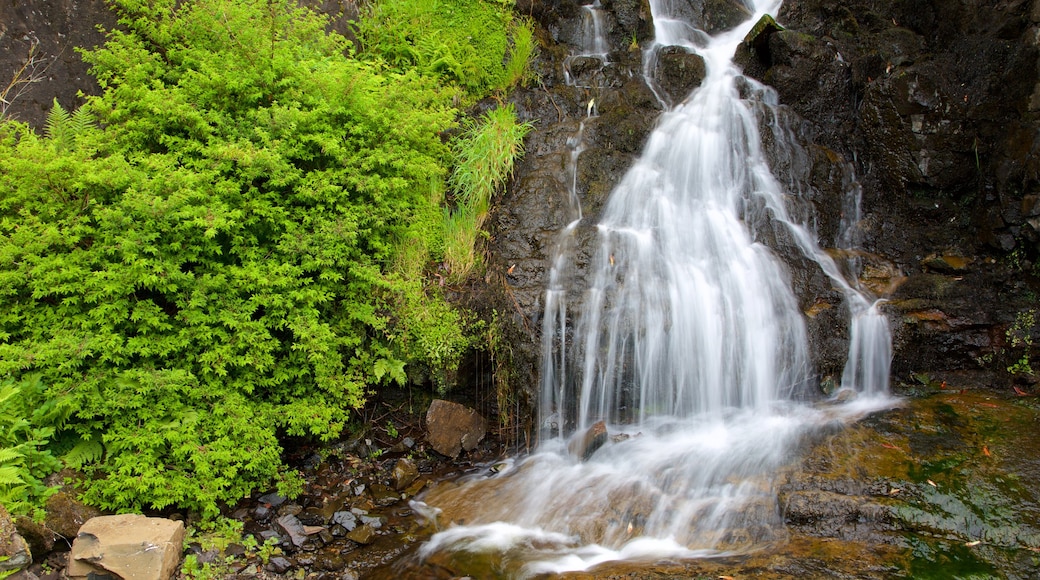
{"points": [[290, 509], [362, 534], [679, 72], [279, 565], [261, 513], [585, 444], [236, 550], [66, 514], [405, 472], [451, 428], [269, 535], [291, 527], [383, 496], [40, 539], [271, 499]]}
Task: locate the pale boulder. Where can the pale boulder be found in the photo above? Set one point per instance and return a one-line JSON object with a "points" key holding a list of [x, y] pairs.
{"points": [[129, 546]]}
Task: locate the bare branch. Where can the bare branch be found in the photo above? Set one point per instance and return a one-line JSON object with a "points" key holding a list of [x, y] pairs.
{"points": [[32, 71]]}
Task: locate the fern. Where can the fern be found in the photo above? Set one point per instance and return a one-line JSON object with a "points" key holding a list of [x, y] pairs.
{"points": [[62, 128], [27, 423], [88, 450]]}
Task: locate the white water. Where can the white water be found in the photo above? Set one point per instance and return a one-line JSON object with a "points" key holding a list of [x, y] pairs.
{"points": [[690, 346], [592, 43]]}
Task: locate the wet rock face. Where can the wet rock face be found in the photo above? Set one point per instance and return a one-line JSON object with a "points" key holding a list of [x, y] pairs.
{"points": [[679, 72], [944, 141], [45, 36]]}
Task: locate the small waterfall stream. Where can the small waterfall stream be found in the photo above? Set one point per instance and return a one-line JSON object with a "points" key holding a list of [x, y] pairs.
{"points": [[689, 348]]}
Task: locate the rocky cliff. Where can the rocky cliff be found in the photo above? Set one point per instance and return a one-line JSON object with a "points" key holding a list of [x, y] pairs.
{"points": [[931, 107]]}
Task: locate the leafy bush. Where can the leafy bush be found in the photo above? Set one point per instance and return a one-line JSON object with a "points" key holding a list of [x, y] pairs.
{"points": [[234, 241], [461, 42], [212, 258]]}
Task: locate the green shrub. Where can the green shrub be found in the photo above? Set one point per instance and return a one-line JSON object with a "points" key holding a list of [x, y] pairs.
{"points": [[461, 42], [210, 256]]}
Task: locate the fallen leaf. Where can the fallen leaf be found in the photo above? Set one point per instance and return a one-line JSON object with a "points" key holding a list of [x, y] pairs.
{"points": [[972, 544], [985, 451], [932, 483], [726, 578], [894, 491], [511, 268], [1021, 393], [990, 405], [890, 446], [612, 259]]}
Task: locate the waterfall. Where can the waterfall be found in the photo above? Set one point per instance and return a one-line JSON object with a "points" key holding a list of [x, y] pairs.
{"points": [[688, 351], [592, 47]]}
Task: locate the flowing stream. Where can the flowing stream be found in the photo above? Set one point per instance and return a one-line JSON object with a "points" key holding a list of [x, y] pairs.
{"points": [[689, 350]]}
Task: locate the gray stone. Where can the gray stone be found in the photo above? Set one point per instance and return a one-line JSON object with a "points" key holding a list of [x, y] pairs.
{"points": [[14, 551], [345, 519], [279, 565], [452, 428], [127, 546], [292, 527]]}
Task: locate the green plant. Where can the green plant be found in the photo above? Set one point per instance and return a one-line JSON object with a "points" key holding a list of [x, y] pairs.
{"points": [[214, 534], [391, 430], [484, 159], [464, 43], [522, 52], [289, 483], [1020, 336], [28, 421], [209, 254]]}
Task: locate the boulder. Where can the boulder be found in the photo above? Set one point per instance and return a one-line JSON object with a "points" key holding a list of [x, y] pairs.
{"points": [[679, 72], [452, 427], [585, 444], [65, 514], [362, 534], [405, 472], [14, 551], [127, 546]]}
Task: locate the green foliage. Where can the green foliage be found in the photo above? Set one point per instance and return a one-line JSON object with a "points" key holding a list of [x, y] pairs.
{"points": [[521, 54], [28, 420], [227, 245], [236, 240], [1020, 339], [484, 158], [460, 42]]}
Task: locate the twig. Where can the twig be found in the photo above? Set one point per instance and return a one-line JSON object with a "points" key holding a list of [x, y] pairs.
{"points": [[32, 71]]}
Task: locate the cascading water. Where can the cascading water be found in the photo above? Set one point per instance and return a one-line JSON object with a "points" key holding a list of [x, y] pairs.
{"points": [[689, 347], [592, 44]]}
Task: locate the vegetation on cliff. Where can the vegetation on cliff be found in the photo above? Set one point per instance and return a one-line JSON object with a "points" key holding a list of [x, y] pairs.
{"points": [[234, 241]]}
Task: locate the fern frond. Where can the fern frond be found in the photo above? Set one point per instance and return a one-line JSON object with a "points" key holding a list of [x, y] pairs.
{"points": [[9, 476], [57, 122], [84, 452], [10, 455]]}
